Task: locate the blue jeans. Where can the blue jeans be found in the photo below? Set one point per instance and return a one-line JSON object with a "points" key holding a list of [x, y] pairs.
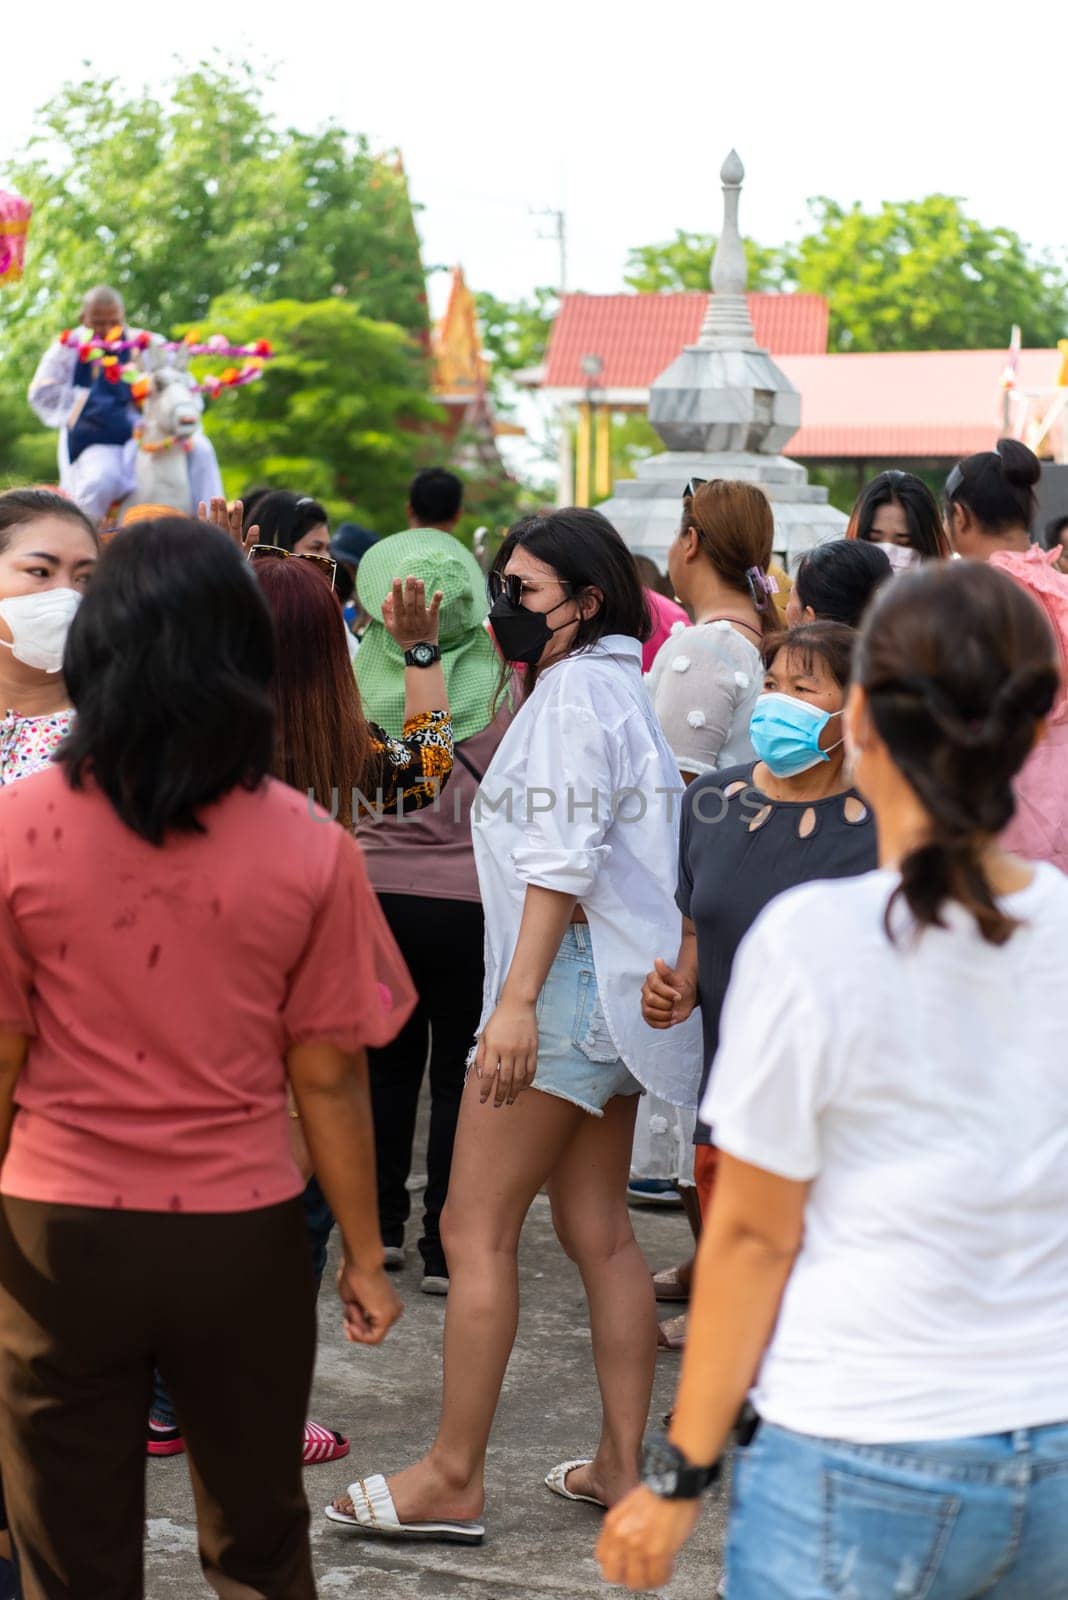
{"points": [[817, 1519]]}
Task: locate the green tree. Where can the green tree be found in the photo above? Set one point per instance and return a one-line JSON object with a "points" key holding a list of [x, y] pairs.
{"points": [[685, 262], [342, 411], [922, 275], [515, 334], [181, 199]]}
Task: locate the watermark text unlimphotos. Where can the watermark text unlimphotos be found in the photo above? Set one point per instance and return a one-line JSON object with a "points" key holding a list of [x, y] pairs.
{"points": [[711, 804]]}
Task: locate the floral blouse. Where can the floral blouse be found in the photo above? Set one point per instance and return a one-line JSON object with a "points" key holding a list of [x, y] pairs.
{"points": [[28, 743], [413, 769]]}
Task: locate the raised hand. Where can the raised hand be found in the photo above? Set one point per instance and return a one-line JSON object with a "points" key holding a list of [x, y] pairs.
{"points": [[406, 615], [229, 518]]}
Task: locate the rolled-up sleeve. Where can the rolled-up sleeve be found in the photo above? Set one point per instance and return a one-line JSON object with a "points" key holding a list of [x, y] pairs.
{"points": [[569, 802]]}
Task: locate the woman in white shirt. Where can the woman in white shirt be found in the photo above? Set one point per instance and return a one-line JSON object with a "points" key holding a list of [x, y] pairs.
{"points": [[890, 1232], [705, 679], [575, 830]]}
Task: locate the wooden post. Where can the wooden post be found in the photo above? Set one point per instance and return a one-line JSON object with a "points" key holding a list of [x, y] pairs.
{"points": [[582, 456]]}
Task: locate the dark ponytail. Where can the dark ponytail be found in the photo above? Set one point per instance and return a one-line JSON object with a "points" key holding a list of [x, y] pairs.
{"points": [[997, 486], [959, 666]]}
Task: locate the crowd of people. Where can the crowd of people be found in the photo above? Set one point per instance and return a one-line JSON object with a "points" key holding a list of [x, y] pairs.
{"points": [[743, 883]]}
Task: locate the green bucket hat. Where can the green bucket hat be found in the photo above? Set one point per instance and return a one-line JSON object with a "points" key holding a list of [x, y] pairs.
{"points": [[468, 655]]}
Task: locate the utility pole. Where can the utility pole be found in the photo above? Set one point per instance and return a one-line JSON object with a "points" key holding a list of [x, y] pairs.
{"points": [[558, 232]]}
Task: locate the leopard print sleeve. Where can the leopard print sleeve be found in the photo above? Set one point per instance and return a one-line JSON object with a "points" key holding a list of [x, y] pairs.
{"points": [[412, 770]]}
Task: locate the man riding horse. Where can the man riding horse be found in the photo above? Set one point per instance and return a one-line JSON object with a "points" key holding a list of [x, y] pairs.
{"points": [[96, 416]]}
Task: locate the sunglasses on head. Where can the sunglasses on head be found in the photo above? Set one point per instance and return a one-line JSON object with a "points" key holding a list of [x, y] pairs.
{"points": [[692, 487], [272, 552]]}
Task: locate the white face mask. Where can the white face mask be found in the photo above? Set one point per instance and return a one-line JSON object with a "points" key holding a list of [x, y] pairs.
{"points": [[900, 556], [39, 625]]}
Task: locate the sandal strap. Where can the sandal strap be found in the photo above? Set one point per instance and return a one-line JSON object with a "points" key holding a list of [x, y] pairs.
{"points": [[372, 1504]]}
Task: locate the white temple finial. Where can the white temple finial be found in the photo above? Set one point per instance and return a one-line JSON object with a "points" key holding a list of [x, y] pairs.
{"points": [[727, 324], [732, 172]]}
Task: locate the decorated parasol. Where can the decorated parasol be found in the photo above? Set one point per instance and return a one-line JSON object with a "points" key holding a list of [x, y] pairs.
{"points": [[14, 226]]}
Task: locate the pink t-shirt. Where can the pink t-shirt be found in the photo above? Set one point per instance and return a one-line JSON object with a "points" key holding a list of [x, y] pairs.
{"points": [[666, 615], [161, 989], [1039, 830]]}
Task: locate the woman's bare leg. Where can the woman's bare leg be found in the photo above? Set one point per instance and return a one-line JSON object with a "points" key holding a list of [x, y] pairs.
{"points": [[500, 1161], [588, 1191]]}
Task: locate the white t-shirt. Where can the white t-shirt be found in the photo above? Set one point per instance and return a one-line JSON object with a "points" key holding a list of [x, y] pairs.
{"points": [[583, 796], [923, 1088]]}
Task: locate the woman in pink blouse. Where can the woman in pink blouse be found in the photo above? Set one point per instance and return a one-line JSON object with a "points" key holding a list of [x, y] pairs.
{"points": [[179, 936]]}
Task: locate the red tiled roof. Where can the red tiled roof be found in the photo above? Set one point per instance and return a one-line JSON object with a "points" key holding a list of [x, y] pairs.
{"points": [[907, 405], [638, 335]]}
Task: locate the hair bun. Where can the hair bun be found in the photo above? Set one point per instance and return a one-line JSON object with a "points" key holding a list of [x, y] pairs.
{"points": [[1027, 693], [1019, 465]]}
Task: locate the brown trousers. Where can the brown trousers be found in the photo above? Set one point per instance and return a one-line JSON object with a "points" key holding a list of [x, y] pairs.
{"points": [[90, 1302]]}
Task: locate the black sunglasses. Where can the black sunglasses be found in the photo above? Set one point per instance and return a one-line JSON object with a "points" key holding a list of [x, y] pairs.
{"points": [[510, 586], [692, 487]]}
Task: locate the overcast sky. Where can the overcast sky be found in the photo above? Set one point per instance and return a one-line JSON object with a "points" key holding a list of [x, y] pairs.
{"points": [[620, 113]]}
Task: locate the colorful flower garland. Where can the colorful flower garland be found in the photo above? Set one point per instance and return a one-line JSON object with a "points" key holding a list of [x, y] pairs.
{"points": [[109, 352]]}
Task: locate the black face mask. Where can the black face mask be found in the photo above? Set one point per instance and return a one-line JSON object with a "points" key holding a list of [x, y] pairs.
{"points": [[522, 634]]}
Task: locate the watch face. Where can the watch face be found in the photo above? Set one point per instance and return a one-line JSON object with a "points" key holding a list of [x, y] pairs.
{"points": [[660, 1469], [423, 654]]}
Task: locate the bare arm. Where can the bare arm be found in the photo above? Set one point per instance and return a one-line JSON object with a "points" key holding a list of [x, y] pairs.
{"points": [[13, 1048], [507, 1054], [332, 1093], [746, 1254]]}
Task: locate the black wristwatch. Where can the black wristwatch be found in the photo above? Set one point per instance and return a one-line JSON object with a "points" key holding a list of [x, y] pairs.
{"points": [[666, 1471], [422, 655]]}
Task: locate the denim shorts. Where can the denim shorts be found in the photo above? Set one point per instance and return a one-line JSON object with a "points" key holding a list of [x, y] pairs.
{"points": [[577, 1059], [818, 1519]]}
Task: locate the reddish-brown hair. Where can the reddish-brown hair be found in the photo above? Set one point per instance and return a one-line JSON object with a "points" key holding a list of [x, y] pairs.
{"points": [[735, 527], [322, 738]]}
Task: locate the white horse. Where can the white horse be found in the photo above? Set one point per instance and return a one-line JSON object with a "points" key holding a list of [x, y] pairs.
{"points": [[172, 459]]}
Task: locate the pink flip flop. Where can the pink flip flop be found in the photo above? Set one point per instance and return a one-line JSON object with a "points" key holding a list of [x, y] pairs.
{"points": [[322, 1444]]}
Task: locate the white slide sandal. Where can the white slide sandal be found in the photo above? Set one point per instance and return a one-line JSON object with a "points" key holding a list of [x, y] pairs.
{"points": [[556, 1483], [375, 1517]]}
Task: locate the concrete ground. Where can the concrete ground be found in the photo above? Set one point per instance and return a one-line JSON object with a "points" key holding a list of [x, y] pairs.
{"points": [[386, 1401]]}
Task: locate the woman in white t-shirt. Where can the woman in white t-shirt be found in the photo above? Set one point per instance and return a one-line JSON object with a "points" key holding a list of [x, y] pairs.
{"points": [[889, 1237], [705, 679], [575, 831]]}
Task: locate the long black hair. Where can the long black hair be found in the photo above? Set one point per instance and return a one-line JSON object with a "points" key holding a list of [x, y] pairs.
{"points": [[959, 666], [168, 664], [586, 552], [922, 516]]}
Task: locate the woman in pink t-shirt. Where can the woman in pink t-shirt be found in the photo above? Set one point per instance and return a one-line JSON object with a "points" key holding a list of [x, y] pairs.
{"points": [[180, 935], [990, 505]]}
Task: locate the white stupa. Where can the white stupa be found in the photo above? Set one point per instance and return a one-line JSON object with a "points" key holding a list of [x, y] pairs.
{"points": [[724, 410]]}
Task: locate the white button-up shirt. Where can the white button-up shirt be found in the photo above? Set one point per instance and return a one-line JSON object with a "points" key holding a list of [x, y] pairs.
{"points": [[583, 797]]}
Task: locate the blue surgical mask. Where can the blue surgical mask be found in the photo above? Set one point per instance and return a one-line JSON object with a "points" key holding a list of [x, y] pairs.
{"points": [[786, 734]]}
